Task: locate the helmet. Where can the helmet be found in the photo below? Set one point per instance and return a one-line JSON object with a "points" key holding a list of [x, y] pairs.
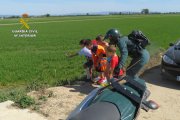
{"points": [[113, 35]]}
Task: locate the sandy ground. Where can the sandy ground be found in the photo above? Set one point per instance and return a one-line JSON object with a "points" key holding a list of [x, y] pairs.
{"points": [[166, 93], [10, 112], [62, 102]]}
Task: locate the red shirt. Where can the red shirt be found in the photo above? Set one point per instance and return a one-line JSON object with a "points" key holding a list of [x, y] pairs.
{"points": [[114, 63]]}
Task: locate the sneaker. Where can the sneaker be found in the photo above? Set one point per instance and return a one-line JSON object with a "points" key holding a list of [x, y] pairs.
{"points": [[96, 79], [103, 82]]}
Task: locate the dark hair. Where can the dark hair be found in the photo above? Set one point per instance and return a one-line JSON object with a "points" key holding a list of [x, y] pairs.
{"points": [[88, 42], [100, 37], [82, 42]]}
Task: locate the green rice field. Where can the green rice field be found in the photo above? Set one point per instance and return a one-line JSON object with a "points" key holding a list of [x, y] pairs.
{"points": [[23, 60]]}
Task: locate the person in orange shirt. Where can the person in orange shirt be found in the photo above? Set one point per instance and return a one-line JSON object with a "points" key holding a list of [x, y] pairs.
{"points": [[100, 41], [112, 63], [99, 59]]}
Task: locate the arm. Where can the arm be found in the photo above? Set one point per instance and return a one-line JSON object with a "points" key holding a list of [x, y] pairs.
{"points": [[124, 52], [110, 71], [99, 58], [81, 52], [110, 68], [106, 44], [94, 60], [73, 55]]}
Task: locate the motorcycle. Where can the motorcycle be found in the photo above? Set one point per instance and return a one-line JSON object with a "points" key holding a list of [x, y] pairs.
{"points": [[115, 102]]}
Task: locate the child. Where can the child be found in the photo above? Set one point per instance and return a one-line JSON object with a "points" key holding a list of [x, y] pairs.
{"points": [[99, 59], [113, 61], [94, 42], [87, 53], [100, 41]]}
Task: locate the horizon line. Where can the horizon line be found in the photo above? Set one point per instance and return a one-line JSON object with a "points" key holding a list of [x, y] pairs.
{"points": [[90, 13]]}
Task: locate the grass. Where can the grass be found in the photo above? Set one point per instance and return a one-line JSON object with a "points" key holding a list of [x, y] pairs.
{"points": [[41, 61], [25, 101], [18, 96]]}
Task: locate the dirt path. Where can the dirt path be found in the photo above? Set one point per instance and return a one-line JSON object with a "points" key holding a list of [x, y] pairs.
{"points": [[164, 92], [63, 101]]}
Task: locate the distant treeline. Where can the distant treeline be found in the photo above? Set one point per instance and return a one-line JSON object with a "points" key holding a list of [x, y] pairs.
{"points": [[140, 13], [144, 11]]}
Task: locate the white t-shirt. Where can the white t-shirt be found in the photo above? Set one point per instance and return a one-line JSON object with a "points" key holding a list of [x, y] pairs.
{"points": [[86, 52]]}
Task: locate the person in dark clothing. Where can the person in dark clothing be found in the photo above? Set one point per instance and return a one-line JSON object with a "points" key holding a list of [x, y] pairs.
{"points": [[140, 56]]}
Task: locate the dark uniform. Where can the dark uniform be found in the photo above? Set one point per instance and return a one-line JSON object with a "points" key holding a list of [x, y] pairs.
{"points": [[139, 55]]}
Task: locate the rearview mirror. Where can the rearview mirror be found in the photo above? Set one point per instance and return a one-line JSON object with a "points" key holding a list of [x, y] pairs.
{"points": [[171, 44]]}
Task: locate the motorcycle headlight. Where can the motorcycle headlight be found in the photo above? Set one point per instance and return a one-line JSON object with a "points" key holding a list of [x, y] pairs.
{"points": [[168, 60]]}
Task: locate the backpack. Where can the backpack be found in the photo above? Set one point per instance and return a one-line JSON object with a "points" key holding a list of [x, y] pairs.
{"points": [[137, 37]]}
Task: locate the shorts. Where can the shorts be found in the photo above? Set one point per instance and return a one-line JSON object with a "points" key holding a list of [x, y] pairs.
{"points": [[89, 64]]}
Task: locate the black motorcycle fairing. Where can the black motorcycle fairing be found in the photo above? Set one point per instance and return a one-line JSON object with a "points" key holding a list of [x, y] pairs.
{"points": [[99, 111]]}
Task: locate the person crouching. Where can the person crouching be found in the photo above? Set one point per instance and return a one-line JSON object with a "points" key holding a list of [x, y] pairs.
{"points": [[99, 60], [88, 65]]}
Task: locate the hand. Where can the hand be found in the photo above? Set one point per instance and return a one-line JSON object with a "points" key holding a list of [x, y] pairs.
{"points": [[71, 55], [124, 71], [68, 55], [117, 69]]}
